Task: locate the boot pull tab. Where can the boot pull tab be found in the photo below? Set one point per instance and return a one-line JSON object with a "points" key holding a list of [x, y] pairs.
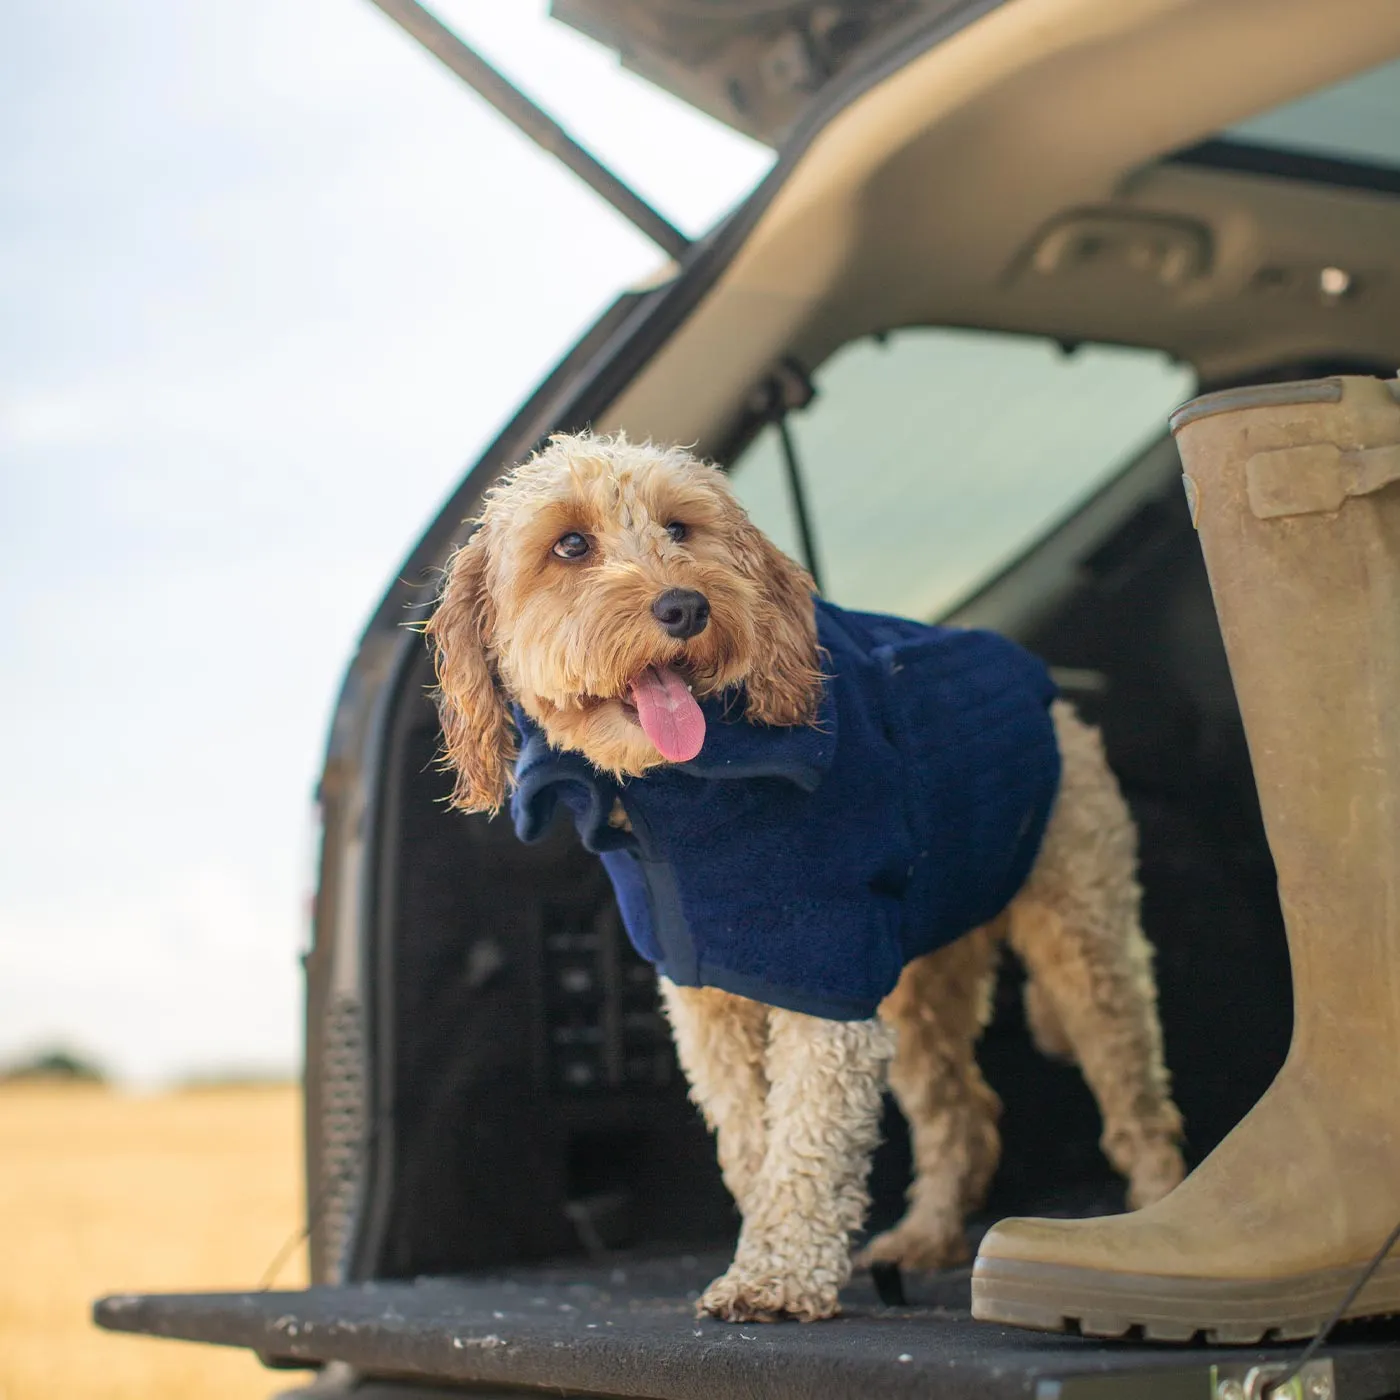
{"points": [[1317, 478]]}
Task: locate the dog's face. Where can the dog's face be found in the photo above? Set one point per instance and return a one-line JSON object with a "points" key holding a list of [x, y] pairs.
{"points": [[606, 587]]}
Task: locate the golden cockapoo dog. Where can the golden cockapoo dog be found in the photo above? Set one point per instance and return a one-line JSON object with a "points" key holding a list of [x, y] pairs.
{"points": [[550, 605]]}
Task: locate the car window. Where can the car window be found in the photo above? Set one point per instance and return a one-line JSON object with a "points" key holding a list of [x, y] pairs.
{"points": [[1358, 119], [932, 458]]}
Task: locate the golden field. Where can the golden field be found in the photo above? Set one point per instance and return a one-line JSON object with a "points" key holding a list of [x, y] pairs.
{"points": [[106, 1192]]}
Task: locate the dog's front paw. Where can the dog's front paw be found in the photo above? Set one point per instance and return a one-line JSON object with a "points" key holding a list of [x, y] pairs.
{"points": [[738, 1296], [917, 1249]]}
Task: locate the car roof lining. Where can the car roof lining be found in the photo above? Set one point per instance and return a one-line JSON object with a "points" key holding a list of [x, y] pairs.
{"points": [[1018, 114]]}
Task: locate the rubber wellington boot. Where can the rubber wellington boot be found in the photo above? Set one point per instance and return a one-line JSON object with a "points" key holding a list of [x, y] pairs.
{"points": [[1295, 492]]}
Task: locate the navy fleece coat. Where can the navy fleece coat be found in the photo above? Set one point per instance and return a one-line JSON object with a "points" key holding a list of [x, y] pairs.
{"points": [[804, 867]]}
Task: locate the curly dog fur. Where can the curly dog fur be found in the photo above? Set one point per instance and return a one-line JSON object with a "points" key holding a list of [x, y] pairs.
{"points": [[794, 1100]]}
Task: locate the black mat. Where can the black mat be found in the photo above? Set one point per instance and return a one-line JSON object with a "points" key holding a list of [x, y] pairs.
{"points": [[628, 1328]]}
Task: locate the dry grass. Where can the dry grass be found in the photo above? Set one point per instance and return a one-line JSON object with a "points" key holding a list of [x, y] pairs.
{"points": [[101, 1192]]}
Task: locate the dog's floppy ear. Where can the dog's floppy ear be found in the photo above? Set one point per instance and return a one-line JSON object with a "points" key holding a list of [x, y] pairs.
{"points": [[784, 684], [475, 720]]}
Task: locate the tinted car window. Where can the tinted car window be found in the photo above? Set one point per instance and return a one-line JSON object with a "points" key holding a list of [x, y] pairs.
{"points": [[932, 458]]}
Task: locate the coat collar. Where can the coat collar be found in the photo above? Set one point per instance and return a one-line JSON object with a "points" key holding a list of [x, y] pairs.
{"points": [[734, 749]]}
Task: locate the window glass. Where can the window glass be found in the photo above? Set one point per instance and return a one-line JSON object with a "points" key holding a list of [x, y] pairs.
{"points": [[1357, 120], [933, 458]]}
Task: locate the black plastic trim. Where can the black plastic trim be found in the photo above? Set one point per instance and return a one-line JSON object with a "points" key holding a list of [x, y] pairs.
{"points": [[628, 1328], [1277, 162]]}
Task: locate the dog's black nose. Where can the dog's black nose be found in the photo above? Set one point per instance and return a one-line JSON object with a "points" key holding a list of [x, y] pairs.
{"points": [[682, 611]]}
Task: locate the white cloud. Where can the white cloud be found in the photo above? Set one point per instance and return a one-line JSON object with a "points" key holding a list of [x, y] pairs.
{"points": [[51, 417], [268, 278]]}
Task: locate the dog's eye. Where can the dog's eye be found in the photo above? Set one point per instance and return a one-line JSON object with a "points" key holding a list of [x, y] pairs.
{"points": [[571, 546], [677, 531]]}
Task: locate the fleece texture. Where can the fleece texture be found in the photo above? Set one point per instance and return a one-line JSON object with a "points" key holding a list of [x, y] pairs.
{"points": [[804, 867]]}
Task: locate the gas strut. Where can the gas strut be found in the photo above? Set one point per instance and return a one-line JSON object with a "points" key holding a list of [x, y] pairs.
{"points": [[537, 124]]}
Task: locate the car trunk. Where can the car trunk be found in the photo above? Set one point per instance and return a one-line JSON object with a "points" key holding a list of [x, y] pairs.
{"points": [[507, 1184], [548, 1202]]}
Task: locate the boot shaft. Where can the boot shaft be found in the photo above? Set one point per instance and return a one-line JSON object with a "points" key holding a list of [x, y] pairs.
{"points": [[1295, 492]]}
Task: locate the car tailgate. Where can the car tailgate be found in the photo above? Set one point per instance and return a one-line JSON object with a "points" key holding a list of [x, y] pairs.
{"points": [[628, 1328]]}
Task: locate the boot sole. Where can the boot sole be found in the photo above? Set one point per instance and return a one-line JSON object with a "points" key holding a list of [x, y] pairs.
{"points": [[1061, 1298]]}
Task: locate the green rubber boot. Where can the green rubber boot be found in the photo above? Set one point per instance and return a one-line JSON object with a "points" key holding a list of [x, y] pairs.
{"points": [[1295, 492]]}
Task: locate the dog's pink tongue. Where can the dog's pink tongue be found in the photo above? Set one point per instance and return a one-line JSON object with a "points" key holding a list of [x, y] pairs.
{"points": [[669, 714]]}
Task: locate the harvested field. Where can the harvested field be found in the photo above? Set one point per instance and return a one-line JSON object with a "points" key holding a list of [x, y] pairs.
{"points": [[104, 1192]]}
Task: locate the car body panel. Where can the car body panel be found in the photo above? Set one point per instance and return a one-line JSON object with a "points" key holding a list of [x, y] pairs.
{"points": [[756, 67]]}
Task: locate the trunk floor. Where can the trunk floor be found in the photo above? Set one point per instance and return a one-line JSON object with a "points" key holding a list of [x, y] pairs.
{"points": [[627, 1327]]}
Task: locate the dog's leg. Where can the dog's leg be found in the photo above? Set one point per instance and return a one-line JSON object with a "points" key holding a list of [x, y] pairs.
{"points": [[939, 1009], [826, 1079], [721, 1041], [1077, 926]]}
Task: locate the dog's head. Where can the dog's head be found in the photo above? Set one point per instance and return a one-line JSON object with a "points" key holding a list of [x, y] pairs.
{"points": [[607, 585]]}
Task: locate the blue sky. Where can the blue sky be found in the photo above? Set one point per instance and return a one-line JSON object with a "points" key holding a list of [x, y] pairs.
{"points": [[268, 280]]}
